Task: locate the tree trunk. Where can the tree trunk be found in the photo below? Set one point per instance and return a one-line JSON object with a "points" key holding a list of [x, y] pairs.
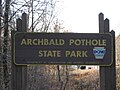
{"points": [[0, 46], [6, 35]]}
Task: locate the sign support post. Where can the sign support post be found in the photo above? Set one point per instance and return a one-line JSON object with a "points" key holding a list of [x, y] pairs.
{"points": [[19, 73], [107, 74], [113, 66], [102, 69]]}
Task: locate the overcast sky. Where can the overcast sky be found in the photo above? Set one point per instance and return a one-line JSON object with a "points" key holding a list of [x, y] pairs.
{"points": [[82, 15]]}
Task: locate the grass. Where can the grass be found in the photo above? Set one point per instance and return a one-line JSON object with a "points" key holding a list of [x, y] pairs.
{"points": [[89, 79]]}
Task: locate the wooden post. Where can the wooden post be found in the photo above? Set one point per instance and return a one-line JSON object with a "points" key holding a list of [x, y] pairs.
{"points": [[16, 82], [102, 70], [106, 72], [113, 66], [101, 23], [24, 22], [19, 25], [24, 68], [19, 73]]}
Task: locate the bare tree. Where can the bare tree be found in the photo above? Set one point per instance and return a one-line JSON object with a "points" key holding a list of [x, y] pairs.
{"points": [[40, 16], [0, 45], [41, 13], [6, 35]]}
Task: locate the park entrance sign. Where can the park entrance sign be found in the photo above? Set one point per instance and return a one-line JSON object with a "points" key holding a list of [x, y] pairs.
{"points": [[62, 48]]}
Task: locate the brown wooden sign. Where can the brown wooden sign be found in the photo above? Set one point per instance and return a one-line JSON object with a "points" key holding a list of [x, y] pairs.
{"points": [[62, 48]]}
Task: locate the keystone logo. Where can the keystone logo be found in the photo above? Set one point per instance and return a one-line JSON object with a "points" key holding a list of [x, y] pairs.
{"points": [[99, 52]]}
